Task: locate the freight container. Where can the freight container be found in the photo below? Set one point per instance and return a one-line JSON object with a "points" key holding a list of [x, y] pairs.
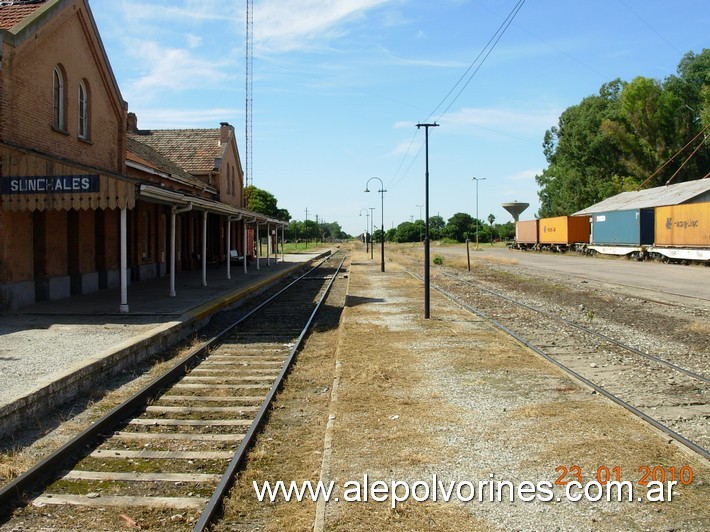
{"points": [[623, 228], [685, 225], [526, 232], [564, 230]]}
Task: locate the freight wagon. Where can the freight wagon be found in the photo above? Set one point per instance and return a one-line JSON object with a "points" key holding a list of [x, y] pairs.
{"points": [[563, 233], [628, 232], [682, 232], [526, 234]]}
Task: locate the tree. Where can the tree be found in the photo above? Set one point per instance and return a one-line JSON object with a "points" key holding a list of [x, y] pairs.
{"points": [[459, 226], [436, 227], [506, 231], [406, 232], [264, 202], [631, 134], [581, 157]]}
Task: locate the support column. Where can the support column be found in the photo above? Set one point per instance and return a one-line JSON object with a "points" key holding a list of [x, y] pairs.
{"points": [[258, 247], [173, 220], [229, 247], [124, 262], [245, 246], [204, 248], [283, 239], [268, 244]]}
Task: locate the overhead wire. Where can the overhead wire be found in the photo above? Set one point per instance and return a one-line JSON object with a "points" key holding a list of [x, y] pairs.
{"points": [[489, 47], [485, 52]]}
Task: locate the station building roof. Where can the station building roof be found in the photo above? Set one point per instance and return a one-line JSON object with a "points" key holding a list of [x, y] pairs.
{"points": [[14, 12], [689, 192], [194, 150]]}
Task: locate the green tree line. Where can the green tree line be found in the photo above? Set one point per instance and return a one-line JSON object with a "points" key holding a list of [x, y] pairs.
{"points": [[457, 229], [629, 136]]}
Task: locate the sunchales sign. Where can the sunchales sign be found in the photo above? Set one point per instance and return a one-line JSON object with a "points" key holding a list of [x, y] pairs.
{"points": [[59, 184]]}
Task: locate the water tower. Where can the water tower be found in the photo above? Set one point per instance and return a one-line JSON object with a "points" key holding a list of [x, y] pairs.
{"points": [[515, 209]]}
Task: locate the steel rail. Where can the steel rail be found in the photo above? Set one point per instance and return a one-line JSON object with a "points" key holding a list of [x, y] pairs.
{"points": [[609, 339], [652, 421], [214, 505], [13, 493]]}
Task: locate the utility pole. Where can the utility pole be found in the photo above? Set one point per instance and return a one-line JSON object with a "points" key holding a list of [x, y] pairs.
{"points": [[477, 179], [426, 221]]}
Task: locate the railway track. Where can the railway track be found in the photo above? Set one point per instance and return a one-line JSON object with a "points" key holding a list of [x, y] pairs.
{"points": [[669, 396], [169, 454]]}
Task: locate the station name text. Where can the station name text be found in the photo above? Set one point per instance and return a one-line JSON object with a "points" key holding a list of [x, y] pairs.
{"points": [[61, 184]]}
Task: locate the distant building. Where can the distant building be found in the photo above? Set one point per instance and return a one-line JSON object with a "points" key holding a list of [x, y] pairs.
{"points": [[697, 191], [77, 174]]}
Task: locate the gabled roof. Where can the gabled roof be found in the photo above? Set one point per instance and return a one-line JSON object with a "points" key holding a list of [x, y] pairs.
{"points": [[14, 12], [143, 154], [652, 197], [196, 151]]}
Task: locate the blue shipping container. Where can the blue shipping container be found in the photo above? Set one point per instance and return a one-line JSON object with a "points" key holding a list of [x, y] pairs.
{"points": [[623, 228]]}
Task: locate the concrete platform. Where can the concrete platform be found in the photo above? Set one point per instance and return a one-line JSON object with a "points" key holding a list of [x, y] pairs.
{"points": [[52, 351]]}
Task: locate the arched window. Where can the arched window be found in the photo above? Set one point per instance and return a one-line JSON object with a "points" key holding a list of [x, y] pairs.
{"points": [[58, 100], [228, 179], [84, 108]]}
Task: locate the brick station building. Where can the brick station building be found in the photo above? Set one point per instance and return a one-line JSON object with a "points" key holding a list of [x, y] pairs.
{"points": [[88, 201]]}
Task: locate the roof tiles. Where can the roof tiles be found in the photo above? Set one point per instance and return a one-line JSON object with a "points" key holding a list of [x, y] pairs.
{"points": [[195, 150], [12, 13]]}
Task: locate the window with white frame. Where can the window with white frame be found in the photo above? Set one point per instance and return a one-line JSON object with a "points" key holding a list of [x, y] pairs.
{"points": [[84, 108], [58, 100]]}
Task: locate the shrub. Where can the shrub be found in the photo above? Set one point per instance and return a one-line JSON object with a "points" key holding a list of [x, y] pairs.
{"points": [[438, 260]]}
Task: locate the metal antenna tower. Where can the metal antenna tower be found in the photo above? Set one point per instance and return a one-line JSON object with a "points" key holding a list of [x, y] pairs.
{"points": [[249, 75]]}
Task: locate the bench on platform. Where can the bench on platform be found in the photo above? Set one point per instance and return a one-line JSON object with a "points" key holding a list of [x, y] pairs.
{"points": [[235, 257]]}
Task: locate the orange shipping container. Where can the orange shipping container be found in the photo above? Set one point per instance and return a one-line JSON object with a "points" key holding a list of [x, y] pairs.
{"points": [[526, 232], [564, 230], [683, 225]]}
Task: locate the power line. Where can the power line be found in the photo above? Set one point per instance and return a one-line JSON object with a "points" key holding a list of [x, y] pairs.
{"points": [[485, 52], [497, 36]]}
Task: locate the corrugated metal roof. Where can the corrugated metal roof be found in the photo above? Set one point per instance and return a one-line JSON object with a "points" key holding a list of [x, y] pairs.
{"points": [[652, 197]]}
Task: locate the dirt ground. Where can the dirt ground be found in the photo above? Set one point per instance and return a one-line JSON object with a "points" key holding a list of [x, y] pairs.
{"points": [[450, 402]]}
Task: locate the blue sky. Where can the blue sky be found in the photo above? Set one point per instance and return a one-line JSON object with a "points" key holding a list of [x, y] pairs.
{"points": [[339, 86]]}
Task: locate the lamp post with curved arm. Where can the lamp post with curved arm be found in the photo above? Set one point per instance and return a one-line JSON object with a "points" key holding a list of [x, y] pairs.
{"points": [[382, 214], [367, 226]]}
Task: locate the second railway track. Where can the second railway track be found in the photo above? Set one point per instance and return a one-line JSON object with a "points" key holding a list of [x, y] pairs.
{"points": [[661, 389], [168, 455]]}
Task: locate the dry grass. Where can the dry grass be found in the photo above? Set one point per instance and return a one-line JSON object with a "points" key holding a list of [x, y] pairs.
{"points": [[395, 419]]}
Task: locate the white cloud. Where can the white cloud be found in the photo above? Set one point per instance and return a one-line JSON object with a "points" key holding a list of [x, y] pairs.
{"points": [[193, 41], [502, 121], [152, 118], [176, 69], [285, 26], [524, 175], [195, 10]]}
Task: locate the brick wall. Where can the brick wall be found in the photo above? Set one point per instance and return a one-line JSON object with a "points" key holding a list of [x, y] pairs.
{"points": [[15, 233], [65, 40]]}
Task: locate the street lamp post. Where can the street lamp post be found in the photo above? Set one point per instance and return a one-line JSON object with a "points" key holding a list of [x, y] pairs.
{"points": [[372, 232], [382, 217], [477, 179], [367, 226]]}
